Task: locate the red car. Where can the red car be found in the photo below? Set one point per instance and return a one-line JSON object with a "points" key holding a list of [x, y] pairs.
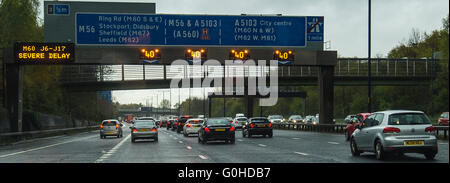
{"points": [[443, 120], [351, 126]]}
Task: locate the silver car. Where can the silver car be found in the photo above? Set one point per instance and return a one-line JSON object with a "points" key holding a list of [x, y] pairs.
{"points": [[111, 127], [395, 131], [239, 122], [192, 126], [144, 129]]}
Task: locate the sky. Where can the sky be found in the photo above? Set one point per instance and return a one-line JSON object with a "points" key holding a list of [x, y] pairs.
{"points": [[346, 24]]}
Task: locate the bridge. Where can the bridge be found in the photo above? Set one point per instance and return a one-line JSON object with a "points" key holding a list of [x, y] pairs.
{"points": [[347, 72]]}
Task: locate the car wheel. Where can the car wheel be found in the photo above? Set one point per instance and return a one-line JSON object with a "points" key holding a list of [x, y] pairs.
{"points": [[430, 155], [101, 136], [156, 139], [199, 141], [270, 135], [185, 134], [354, 148], [379, 152], [249, 135], [133, 140], [232, 141], [243, 133]]}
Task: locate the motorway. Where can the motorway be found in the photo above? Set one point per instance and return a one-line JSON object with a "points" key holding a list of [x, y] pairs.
{"points": [[285, 147]]}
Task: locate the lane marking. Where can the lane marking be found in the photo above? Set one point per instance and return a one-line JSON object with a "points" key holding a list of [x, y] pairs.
{"points": [[295, 138], [304, 154], [189, 147], [262, 145], [112, 151], [39, 148], [335, 143], [203, 157], [240, 140], [180, 142]]}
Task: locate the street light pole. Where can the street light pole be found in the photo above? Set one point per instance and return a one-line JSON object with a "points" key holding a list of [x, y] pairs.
{"points": [[369, 107]]}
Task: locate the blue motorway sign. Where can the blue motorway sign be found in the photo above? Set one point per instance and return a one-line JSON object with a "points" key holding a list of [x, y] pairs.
{"points": [[58, 9], [210, 30], [314, 28]]}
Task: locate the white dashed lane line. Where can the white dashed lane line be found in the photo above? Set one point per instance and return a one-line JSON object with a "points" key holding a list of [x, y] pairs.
{"points": [[112, 151], [335, 143], [203, 157], [304, 154]]}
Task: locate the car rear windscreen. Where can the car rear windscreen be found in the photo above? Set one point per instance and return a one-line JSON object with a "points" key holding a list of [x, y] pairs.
{"points": [[218, 122], [408, 119], [144, 123], [111, 123], [241, 119], [195, 121], [260, 121]]}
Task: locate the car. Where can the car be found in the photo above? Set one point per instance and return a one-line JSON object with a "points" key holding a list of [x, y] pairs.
{"points": [[181, 121], [238, 115], [349, 118], [395, 131], [350, 128], [443, 119], [257, 126], [144, 129], [239, 122], [111, 127], [275, 118], [295, 119], [170, 122], [214, 129], [192, 126], [310, 119]]}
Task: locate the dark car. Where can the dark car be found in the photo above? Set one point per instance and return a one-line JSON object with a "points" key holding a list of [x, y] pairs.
{"points": [[257, 126], [170, 122], [216, 129], [181, 121], [443, 119]]}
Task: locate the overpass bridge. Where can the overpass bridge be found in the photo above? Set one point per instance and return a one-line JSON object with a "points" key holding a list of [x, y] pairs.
{"points": [[347, 72]]}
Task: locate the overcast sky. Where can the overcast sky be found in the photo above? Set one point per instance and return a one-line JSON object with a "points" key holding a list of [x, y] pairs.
{"points": [[346, 22]]}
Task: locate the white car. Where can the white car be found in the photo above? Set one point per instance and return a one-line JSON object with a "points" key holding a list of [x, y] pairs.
{"points": [[192, 126]]}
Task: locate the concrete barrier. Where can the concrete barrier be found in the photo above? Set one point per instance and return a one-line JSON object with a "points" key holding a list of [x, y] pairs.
{"points": [[6, 138]]}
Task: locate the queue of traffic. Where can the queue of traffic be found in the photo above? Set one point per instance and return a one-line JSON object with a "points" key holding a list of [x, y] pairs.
{"points": [[392, 132]]}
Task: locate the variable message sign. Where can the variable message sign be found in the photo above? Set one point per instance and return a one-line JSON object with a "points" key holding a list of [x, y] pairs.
{"points": [[49, 53]]}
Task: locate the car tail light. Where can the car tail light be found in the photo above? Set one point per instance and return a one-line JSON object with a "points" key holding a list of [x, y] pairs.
{"points": [[135, 130], [168, 122], [252, 125], [101, 126], [232, 129], [430, 129], [188, 125], [207, 129], [270, 125], [391, 130], [117, 126], [154, 130], [236, 122], [179, 123]]}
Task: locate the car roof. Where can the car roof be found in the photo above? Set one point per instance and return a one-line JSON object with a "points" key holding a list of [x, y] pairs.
{"points": [[111, 120], [192, 119], [398, 111]]}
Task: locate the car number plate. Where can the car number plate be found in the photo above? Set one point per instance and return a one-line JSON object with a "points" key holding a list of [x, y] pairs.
{"points": [[144, 130], [413, 142], [261, 125], [220, 129]]}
